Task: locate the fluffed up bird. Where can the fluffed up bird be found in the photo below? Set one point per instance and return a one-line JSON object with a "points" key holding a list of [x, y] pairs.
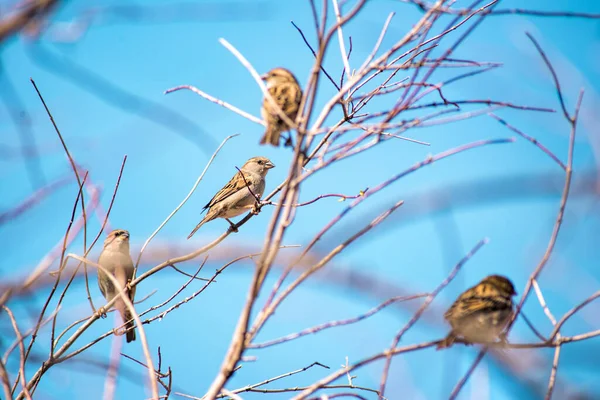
{"points": [[240, 194], [285, 90], [115, 259], [481, 313]]}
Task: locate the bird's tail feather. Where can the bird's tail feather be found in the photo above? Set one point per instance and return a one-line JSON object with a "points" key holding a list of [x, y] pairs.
{"points": [[271, 135], [130, 336], [197, 227]]}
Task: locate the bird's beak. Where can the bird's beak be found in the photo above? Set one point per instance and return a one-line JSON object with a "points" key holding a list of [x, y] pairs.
{"points": [[126, 235], [264, 77], [269, 165]]}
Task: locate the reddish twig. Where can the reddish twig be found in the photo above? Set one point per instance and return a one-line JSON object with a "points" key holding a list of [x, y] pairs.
{"points": [[342, 197]]}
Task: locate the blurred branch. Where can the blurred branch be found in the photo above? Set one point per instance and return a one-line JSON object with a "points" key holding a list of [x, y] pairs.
{"points": [[22, 122], [119, 98], [171, 12], [28, 16], [424, 6], [32, 200]]}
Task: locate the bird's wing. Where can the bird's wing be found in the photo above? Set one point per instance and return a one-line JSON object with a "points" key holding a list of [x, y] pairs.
{"points": [[233, 186], [104, 283], [287, 96], [472, 301], [291, 96]]}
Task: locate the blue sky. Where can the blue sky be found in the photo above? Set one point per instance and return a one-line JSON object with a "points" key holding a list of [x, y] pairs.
{"points": [[105, 90]]}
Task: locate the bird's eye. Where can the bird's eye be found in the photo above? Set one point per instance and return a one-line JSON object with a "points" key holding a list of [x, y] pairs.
{"points": [[118, 233], [260, 162]]}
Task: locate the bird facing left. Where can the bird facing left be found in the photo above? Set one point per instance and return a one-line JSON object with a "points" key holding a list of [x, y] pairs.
{"points": [[115, 260]]}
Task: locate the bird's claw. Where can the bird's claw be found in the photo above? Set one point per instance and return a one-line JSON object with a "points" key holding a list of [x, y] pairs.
{"points": [[232, 227], [446, 342], [119, 331], [102, 312]]}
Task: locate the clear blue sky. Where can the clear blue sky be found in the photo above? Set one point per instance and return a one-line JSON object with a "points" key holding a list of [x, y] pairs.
{"points": [[105, 90]]}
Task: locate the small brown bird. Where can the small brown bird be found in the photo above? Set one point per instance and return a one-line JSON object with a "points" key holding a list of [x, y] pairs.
{"points": [[115, 259], [481, 312], [239, 194], [285, 90]]}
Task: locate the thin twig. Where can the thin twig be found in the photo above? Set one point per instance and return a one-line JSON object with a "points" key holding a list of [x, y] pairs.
{"points": [[554, 76], [531, 139], [333, 324], [217, 101], [21, 351], [267, 381]]}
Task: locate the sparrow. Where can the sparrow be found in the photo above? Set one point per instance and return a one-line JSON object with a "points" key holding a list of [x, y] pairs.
{"points": [[240, 194], [115, 259], [285, 90], [481, 312]]}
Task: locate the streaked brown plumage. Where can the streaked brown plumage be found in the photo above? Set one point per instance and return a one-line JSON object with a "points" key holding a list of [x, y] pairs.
{"points": [[115, 259], [238, 195], [481, 312], [285, 90]]}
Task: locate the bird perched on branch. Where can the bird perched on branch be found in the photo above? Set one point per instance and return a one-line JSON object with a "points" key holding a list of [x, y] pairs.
{"points": [[481, 312], [285, 90], [240, 194], [115, 260]]}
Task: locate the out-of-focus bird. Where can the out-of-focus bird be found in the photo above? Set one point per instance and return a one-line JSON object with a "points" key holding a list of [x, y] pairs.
{"points": [[285, 90], [240, 194], [115, 259], [481, 312]]}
